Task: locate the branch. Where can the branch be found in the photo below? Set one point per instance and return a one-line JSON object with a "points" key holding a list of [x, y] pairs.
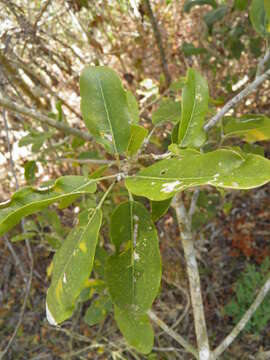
{"points": [[157, 34], [33, 114], [178, 338], [88, 161], [245, 319], [262, 63], [184, 223], [235, 100], [29, 252]]}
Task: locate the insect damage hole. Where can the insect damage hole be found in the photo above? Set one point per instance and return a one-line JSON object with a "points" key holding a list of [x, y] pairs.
{"points": [[163, 171]]}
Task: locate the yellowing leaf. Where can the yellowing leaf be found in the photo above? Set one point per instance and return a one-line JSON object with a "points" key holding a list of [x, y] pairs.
{"points": [[72, 266]]}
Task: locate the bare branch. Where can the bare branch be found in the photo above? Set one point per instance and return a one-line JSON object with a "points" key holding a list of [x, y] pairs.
{"points": [[33, 114], [262, 63], [243, 322], [235, 100], [158, 38], [194, 280], [173, 334]]}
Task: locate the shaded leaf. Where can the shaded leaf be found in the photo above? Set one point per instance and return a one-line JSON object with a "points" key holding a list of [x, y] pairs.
{"points": [[29, 200], [168, 110], [36, 139], [257, 16], [241, 4], [267, 9], [136, 329], [189, 49], [30, 169], [178, 84], [23, 236], [159, 208], [215, 15], [133, 275], [194, 108], [105, 108], [137, 135], [72, 266], [98, 310], [251, 127], [225, 168], [254, 149], [133, 108]]}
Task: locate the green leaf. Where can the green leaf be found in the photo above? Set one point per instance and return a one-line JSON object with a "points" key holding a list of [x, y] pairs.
{"points": [[215, 15], [137, 135], [241, 4], [225, 168], [72, 266], [257, 16], [253, 149], [190, 3], [133, 275], [36, 139], [189, 49], [133, 108], [98, 310], [29, 200], [194, 108], [24, 236], [267, 9], [159, 208], [105, 108], [136, 329], [178, 84], [174, 135], [30, 169], [251, 127], [168, 110]]}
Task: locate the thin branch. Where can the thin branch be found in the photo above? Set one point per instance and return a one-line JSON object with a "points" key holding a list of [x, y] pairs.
{"points": [[262, 63], [158, 38], [88, 161], [178, 338], [33, 114], [235, 100], [16, 258], [29, 252], [194, 280], [243, 322]]}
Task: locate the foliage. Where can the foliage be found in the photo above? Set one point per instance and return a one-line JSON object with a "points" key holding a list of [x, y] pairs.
{"points": [[123, 278], [245, 289], [132, 273]]}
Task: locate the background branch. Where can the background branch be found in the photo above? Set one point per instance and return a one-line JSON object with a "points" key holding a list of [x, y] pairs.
{"points": [[33, 114], [235, 100]]}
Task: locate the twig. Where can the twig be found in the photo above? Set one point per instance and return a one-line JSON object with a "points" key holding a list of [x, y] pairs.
{"points": [[194, 281], [88, 161], [42, 11], [178, 338], [157, 34], [15, 257], [262, 63], [82, 350], [235, 100], [12, 106], [245, 319]]}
